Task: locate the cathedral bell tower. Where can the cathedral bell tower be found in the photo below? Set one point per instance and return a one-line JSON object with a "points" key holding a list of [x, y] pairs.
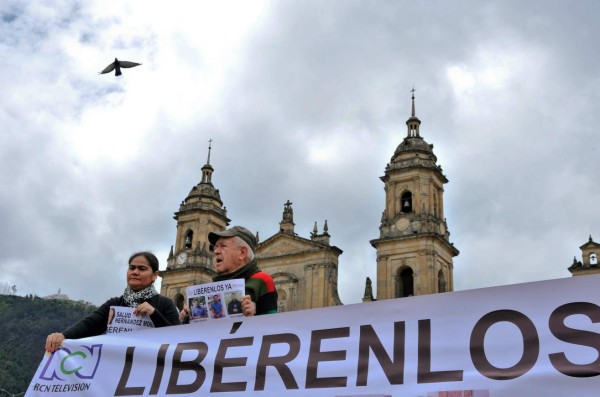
{"points": [[589, 254], [414, 253], [190, 261]]}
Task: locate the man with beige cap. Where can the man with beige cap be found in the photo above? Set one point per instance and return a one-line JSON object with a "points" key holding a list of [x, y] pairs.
{"points": [[233, 251]]}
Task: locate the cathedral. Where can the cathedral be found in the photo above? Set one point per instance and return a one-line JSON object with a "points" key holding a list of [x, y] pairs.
{"points": [[414, 252], [589, 265]]}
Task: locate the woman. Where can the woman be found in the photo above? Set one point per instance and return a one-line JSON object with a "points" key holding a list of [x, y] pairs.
{"points": [[140, 294]]}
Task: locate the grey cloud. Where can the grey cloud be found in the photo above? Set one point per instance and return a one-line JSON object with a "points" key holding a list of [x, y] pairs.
{"points": [[520, 156]]}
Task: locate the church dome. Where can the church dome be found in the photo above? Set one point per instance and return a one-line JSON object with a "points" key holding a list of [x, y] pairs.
{"points": [[204, 190], [414, 151], [204, 196], [412, 144]]}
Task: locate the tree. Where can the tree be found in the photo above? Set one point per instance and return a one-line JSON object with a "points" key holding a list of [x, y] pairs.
{"points": [[7, 289], [24, 325]]}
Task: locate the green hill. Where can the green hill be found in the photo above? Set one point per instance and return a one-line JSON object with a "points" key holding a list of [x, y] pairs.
{"points": [[25, 322]]}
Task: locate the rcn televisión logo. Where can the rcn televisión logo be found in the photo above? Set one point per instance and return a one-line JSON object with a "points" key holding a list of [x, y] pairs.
{"points": [[65, 363]]}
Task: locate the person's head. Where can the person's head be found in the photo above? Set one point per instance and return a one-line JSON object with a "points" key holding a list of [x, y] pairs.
{"points": [[233, 296], [142, 270], [232, 248], [195, 303], [216, 298]]}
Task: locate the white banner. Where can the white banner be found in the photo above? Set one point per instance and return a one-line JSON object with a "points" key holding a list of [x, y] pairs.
{"points": [[534, 339]]}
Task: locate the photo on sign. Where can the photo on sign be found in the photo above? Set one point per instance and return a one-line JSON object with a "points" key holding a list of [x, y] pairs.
{"points": [[460, 393], [198, 308], [364, 395], [111, 316], [216, 308], [233, 300]]}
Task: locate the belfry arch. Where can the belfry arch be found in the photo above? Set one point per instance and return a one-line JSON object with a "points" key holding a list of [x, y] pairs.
{"points": [[404, 282]]}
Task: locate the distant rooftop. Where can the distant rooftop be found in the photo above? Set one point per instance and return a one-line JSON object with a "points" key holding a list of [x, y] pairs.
{"points": [[59, 296]]}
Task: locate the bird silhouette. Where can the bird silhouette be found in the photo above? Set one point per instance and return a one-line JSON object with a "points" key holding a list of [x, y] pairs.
{"points": [[117, 65]]}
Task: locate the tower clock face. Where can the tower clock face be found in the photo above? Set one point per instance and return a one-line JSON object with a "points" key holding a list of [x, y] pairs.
{"points": [[402, 224], [181, 258]]}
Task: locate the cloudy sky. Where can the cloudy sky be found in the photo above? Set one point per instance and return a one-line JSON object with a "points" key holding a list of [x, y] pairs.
{"points": [[304, 101]]}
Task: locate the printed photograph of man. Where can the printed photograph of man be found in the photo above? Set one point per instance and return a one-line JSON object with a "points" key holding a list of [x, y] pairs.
{"points": [[234, 305], [111, 315], [216, 307], [198, 308]]}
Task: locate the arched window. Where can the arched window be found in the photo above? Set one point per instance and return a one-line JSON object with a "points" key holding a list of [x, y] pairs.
{"points": [[404, 283], [287, 285], [179, 301], [441, 282], [593, 259], [189, 237], [406, 203], [281, 300]]}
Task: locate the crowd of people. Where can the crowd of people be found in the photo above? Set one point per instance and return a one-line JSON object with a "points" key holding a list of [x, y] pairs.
{"points": [[233, 251]]}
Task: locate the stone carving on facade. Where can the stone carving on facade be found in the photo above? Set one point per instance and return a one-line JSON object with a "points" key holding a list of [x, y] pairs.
{"points": [[368, 296], [288, 212], [284, 247]]}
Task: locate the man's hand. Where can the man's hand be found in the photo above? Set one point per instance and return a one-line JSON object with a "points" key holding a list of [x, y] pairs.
{"points": [[183, 314], [248, 307]]}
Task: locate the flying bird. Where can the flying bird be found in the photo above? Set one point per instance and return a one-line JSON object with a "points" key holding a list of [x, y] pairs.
{"points": [[117, 65]]}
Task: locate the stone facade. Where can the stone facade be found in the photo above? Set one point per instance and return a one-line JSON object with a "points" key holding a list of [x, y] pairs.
{"points": [[414, 254], [589, 255], [305, 271]]}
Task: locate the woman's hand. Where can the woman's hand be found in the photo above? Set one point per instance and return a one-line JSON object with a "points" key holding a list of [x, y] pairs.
{"points": [[53, 342], [144, 308], [248, 307]]}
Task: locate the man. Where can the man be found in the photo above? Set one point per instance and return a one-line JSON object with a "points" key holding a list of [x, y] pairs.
{"points": [[233, 251], [197, 310], [234, 306], [234, 258], [216, 307]]}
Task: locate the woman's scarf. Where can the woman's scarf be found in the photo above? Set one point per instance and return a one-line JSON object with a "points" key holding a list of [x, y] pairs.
{"points": [[134, 299]]}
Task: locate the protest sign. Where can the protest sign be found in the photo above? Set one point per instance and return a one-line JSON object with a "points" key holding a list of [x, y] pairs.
{"points": [[220, 299], [122, 319]]}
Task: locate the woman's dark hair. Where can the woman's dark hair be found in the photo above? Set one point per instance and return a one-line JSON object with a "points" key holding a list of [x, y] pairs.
{"points": [[150, 257]]}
